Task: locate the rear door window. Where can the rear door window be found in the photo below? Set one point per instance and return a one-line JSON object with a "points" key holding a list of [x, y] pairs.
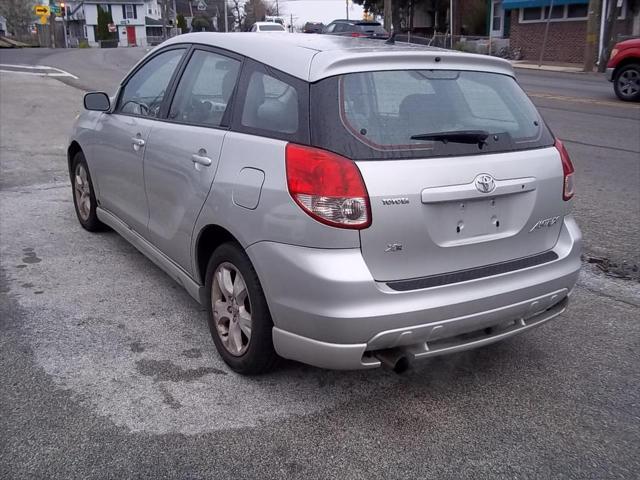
{"points": [[380, 112], [205, 89]]}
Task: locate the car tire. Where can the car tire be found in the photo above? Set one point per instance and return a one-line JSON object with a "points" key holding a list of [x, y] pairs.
{"points": [[84, 197], [626, 83], [232, 310]]}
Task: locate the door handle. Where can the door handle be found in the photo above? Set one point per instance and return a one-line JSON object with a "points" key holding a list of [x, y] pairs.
{"points": [[201, 159], [137, 142]]}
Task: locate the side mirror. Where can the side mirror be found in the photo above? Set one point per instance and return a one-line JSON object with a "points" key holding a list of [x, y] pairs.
{"points": [[97, 101]]}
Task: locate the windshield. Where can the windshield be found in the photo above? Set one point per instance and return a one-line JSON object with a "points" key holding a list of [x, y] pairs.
{"points": [[409, 111]]}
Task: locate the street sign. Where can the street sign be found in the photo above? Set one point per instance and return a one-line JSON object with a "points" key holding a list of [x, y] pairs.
{"points": [[41, 10], [202, 6], [55, 9]]}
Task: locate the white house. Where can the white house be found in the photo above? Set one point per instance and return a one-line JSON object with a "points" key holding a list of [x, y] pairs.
{"points": [[131, 18]]}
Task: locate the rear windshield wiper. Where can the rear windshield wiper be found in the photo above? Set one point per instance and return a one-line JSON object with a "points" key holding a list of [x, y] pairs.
{"points": [[459, 136]]}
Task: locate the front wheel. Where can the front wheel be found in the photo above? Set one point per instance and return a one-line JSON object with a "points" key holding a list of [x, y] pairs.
{"points": [[84, 197], [239, 318], [626, 83]]}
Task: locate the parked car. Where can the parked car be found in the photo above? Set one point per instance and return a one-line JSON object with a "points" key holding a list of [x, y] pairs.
{"points": [[424, 210], [267, 27], [623, 70], [356, 28], [313, 27]]}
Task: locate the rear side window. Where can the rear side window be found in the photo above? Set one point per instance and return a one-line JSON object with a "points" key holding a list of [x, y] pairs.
{"points": [[378, 113], [271, 104]]}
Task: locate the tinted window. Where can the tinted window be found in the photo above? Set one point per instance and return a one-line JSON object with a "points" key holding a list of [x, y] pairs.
{"points": [[534, 13], [205, 89], [144, 91], [378, 113], [272, 28], [371, 28], [270, 104], [578, 10], [558, 12]]}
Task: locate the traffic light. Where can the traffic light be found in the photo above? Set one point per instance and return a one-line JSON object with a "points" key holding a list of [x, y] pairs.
{"points": [[63, 9]]}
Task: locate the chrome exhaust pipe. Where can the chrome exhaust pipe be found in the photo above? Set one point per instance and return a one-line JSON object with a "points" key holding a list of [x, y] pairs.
{"points": [[394, 359]]}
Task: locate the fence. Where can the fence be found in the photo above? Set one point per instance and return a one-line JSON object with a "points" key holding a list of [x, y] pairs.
{"points": [[473, 44]]}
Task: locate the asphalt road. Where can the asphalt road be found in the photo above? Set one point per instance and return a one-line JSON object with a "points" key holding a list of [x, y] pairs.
{"points": [[108, 371]]}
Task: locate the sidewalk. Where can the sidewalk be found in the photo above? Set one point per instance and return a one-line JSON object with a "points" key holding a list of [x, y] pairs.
{"points": [[549, 66]]}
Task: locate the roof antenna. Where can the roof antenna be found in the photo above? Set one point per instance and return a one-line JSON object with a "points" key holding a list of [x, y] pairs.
{"points": [[392, 39]]}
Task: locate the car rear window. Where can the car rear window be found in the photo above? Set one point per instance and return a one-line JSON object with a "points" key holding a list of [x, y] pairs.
{"points": [[370, 27], [272, 28], [377, 113]]}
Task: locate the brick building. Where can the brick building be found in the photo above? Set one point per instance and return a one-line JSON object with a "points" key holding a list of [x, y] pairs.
{"points": [[524, 23]]}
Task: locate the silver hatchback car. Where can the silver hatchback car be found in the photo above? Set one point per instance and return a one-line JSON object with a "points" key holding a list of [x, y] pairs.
{"points": [[341, 202]]}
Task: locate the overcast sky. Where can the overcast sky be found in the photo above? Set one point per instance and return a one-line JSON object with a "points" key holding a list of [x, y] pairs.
{"points": [[318, 10]]}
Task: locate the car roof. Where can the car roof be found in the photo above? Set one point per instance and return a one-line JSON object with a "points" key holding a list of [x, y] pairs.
{"points": [[267, 23], [314, 57]]}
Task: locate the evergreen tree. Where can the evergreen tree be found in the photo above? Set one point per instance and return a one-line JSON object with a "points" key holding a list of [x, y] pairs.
{"points": [[182, 23], [104, 19]]}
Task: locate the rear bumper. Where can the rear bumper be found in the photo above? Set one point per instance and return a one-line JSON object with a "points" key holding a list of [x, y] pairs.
{"points": [[329, 312], [609, 74]]}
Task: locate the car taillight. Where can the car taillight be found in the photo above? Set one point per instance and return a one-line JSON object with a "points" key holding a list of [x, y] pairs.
{"points": [[327, 187], [356, 34], [569, 188]]}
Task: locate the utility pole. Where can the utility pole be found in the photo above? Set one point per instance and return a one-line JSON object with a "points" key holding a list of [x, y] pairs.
{"points": [[388, 6], [546, 34], [175, 17], [593, 22], [226, 17], [347, 8], [52, 28], [491, 14], [607, 36], [451, 21]]}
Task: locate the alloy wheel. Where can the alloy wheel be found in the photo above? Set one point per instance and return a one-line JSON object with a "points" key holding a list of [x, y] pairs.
{"points": [[82, 192], [629, 83], [231, 308]]}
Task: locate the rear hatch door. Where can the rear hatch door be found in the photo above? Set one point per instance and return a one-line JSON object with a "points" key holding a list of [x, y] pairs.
{"points": [[430, 218]]}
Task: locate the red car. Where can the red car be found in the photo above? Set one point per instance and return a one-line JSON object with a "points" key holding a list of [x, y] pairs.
{"points": [[623, 70]]}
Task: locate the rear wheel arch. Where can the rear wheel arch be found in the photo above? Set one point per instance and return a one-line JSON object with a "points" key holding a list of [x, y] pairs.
{"points": [[209, 238]]}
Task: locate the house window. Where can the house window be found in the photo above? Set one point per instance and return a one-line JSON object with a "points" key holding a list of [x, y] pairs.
{"points": [[129, 11], [530, 14], [578, 11], [105, 8], [572, 11], [558, 12], [496, 22]]}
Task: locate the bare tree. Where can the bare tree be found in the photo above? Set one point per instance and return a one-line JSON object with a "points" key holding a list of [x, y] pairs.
{"points": [[256, 11], [238, 14], [19, 15]]}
